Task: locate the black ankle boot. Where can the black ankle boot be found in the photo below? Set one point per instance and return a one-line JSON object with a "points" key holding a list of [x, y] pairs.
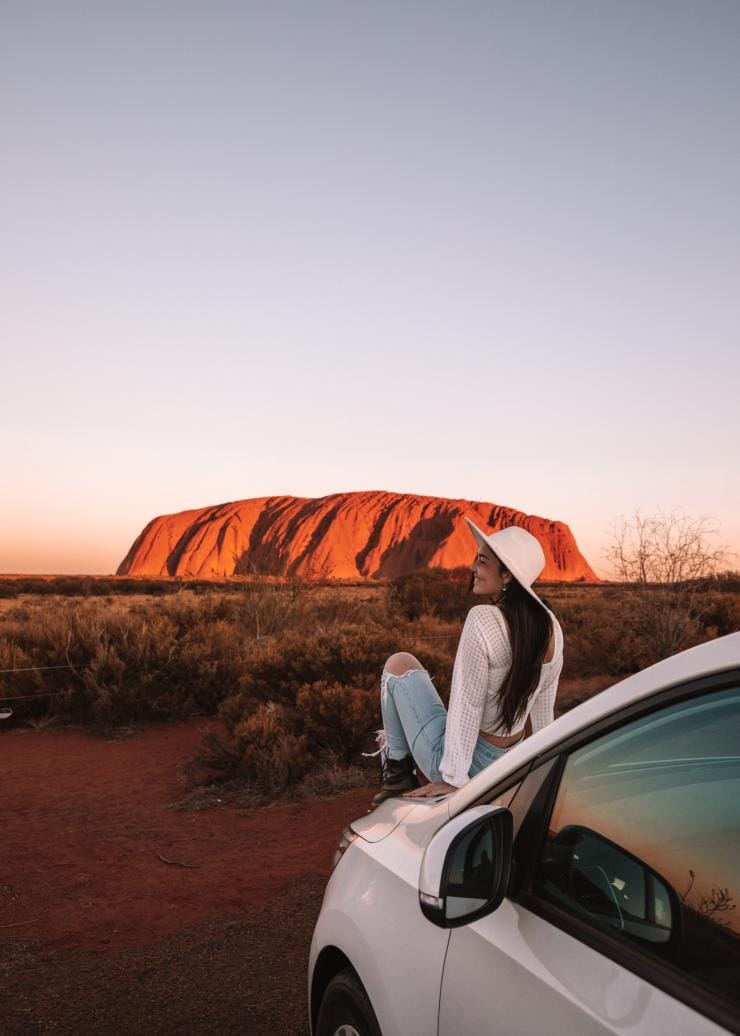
{"points": [[396, 777]]}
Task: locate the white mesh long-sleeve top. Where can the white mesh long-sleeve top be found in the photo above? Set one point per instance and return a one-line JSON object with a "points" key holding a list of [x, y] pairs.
{"points": [[482, 661]]}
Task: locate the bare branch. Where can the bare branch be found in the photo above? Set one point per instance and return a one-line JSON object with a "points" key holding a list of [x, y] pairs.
{"points": [[173, 863], [18, 924], [664, 548]]}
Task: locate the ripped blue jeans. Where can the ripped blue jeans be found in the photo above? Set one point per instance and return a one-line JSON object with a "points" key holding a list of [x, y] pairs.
{"points": [[415, 720]]}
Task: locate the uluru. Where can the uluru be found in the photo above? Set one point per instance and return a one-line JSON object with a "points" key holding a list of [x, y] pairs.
{"points": [[360, 535]]}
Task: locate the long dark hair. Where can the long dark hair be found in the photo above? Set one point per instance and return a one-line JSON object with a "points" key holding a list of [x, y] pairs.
{"points": [[530, 629]]}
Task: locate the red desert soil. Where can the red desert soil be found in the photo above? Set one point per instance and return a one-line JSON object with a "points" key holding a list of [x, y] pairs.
{"points": [[121, 914]]}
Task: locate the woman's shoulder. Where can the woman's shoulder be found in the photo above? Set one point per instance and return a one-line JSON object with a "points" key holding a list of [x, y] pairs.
{"points": [[481, 612], [489, 619]]}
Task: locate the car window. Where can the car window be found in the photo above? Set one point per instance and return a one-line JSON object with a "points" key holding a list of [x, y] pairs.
{"points": [[526, 793], [643, 842]]}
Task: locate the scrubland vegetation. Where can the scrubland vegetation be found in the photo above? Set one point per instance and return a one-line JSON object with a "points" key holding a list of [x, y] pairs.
{"points": [[292, 668]]}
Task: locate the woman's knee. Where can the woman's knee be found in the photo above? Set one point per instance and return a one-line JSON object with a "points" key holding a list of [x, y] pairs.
{"points": [[401, 662]]}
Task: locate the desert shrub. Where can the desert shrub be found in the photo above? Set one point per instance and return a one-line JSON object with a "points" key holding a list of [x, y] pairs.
{"points": [[330, 777], [274, 745], [262, 750], [573, 691], [141, 660], [602, 638], [103, 586], [124, 666], [623, 630], [318, 722], [727, 582], [338, 720], [720, 612], [119, 664], [280, 766], [279, 668], [443, 593], [294, 671], [273, 754]]}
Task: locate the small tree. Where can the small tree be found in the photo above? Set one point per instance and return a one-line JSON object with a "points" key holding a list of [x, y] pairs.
{"points": [[664, 548], [668, 557]]}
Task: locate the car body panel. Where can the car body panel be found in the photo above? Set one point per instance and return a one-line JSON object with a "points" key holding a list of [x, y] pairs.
{"points": [[370, 913], [589, 994], [513, 971], [386, 817]]}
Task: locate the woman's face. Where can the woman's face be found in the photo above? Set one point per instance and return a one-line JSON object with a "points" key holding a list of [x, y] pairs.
{"points": [[487, 578]]}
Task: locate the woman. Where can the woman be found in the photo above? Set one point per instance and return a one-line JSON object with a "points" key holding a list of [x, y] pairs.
{"points": [[506, 670]]}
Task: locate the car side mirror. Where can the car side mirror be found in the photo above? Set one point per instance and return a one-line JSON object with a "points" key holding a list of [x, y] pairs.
{"points": [[466, 867], [612, 887]]}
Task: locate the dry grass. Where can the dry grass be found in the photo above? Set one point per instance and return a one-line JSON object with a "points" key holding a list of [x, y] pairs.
{"points": [[574, 690], [292, 668]]}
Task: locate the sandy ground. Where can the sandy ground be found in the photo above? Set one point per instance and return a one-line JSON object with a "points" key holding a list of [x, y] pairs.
{"points": [[120, 914]]}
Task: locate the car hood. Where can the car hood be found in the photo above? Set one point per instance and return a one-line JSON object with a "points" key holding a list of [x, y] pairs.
{"points": [[386, 817]]}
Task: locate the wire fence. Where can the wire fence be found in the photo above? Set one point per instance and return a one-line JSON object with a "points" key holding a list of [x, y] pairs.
{"points": [[37, 668], [39, 694], [79, 668]]}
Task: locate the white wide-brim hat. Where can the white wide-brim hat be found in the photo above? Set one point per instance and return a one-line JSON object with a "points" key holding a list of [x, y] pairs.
{"points": [[518, 550]]}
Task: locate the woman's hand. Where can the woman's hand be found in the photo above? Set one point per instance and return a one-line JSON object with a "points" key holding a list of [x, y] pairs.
{"points": [[430, 790]]}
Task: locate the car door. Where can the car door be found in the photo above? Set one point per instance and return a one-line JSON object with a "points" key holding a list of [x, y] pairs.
{"points": [[623, 910]]}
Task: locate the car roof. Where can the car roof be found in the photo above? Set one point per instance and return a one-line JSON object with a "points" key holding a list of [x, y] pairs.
{"points": [[715, 656]]}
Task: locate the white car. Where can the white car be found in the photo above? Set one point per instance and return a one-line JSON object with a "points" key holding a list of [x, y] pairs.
{"points": [[587, 882]]}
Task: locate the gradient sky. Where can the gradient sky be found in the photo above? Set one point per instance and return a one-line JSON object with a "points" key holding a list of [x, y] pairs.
{"points": [[487, 250]]}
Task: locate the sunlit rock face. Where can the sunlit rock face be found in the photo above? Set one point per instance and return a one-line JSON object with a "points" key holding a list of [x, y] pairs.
{"points": [[342, 536]]}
